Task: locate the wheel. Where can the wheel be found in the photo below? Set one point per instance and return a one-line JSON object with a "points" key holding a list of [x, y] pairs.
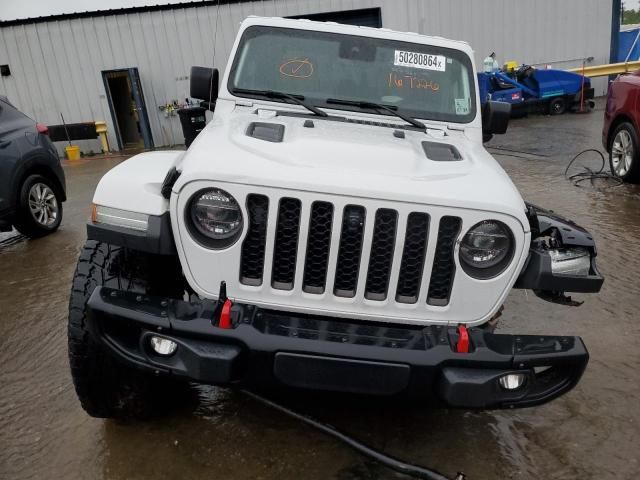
{"points": [[557, 106], [105, 387], [623, 153], [39, 209]]}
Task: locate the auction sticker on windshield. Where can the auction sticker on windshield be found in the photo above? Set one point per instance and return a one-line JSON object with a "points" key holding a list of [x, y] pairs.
{"points": [[424, 61]]}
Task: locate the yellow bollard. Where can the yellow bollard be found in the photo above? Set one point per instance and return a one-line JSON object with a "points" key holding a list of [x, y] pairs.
{"points": [[101, 129]]}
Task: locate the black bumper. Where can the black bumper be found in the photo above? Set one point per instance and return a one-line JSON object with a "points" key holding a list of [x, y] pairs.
{"points": [[266, 348]]}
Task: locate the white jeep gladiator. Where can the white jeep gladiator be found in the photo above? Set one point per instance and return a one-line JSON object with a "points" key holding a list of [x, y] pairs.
{"points": [[338, 225]]}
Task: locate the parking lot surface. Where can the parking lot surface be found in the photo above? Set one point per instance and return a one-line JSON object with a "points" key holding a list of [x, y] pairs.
{"points": [[591, 433]]}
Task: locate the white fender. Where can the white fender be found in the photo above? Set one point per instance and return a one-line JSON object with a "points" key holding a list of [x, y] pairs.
{"points": [[135, 184]]}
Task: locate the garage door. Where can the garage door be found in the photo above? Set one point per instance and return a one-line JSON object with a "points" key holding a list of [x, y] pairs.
{"points": [[366, 17]]}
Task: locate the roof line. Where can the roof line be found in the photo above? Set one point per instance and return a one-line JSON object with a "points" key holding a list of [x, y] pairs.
{"points": [[117, 11]]}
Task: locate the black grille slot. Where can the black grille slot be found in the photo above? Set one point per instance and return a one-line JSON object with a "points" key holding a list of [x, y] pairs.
{"points": [[349, 251], [413, 256], [318, 244], [444, 267], [286, 244], [252, 256], [381, 257]]}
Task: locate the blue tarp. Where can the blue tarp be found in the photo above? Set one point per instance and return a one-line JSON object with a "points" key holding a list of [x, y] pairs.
{"points": [[628, 47]]}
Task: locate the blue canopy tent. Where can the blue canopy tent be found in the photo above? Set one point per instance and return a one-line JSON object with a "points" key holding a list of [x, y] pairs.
{"points": [[629, 44]]}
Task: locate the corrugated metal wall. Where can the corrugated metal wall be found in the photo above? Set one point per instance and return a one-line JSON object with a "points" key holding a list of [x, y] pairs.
{"points": [[56, 66]]}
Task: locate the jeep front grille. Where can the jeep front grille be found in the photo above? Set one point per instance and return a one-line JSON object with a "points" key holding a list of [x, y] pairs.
{"points": [[381, 257], [309, 231], [444, 266], [413, 256], [252, 264], [350, 251], [318, 243], [285, 251]]}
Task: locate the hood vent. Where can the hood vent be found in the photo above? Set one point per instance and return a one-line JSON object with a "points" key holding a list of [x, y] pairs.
{"points": [[269, 132], [441, 152]]}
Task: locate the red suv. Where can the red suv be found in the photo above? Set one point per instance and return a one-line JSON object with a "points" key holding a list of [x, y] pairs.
{"points": [[621, 126]]}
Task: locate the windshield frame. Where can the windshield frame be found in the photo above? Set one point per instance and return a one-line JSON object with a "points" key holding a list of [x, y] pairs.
{"points": [[459, 54]]}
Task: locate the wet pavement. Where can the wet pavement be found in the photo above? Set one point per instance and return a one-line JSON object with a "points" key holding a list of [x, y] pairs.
{"points": [[590, 433]]}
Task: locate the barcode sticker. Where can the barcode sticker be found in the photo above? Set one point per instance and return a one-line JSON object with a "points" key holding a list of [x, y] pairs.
{"points": [[424, 61]]}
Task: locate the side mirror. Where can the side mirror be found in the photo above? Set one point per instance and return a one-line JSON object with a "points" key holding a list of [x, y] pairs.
{"points": [[204, 85], [495, 119]]}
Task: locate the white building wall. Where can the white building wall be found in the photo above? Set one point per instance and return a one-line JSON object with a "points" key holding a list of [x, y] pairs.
{"points": [[56, 65]]}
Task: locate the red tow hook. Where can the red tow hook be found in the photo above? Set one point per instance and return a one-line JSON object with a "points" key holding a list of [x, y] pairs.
{"points": [[225, 315], [223, 310], [463, 341]]}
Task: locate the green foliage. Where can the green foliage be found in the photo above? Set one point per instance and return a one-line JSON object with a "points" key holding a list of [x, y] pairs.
{"points": [[630, 17]]}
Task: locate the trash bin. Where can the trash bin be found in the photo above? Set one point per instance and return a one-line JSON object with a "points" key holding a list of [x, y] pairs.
{"points": [[193, 121], [73, 152]]}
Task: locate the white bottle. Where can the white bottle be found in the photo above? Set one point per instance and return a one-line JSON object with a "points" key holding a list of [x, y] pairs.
{"points": [[488, 64]]}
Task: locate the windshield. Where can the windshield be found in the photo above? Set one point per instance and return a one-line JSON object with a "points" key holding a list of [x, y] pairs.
{"points": [[421, 81]]}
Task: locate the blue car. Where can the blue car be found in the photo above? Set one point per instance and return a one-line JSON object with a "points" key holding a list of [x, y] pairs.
{"points": [[32, 183], [539, 90]]}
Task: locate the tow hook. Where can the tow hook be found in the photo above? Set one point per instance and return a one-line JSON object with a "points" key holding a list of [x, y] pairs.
{"points": [[223, 311], [462, 346]]}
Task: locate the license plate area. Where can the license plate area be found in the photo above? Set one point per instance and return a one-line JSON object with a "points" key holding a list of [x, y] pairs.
{"points": [[340, 374]]}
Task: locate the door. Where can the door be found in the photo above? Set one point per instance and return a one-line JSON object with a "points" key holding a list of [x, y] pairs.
{"points": [[128, 108]]}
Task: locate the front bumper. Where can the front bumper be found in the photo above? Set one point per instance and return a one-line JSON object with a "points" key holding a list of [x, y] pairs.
{"points": [[265, 348]]}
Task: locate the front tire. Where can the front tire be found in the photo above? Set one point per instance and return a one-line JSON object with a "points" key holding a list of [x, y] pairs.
{"points": [[623, 153], [39, 207], [106, 388]]}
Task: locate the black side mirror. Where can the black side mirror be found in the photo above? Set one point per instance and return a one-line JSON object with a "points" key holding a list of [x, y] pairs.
{"points": [[495, 119], [204, 85]]}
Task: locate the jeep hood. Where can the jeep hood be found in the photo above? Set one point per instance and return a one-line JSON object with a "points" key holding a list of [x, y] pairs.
{"points": [[343, 157]]}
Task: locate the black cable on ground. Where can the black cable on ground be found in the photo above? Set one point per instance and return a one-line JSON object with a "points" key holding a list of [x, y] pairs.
{"points": [[590, 175], [390, 462]]}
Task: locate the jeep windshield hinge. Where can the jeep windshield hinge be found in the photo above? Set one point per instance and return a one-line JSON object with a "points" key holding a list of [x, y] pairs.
{"points": [[169, 181]]}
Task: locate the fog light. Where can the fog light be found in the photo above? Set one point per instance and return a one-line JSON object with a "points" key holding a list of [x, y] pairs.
{"points": [[512, 381], [164, 346]]}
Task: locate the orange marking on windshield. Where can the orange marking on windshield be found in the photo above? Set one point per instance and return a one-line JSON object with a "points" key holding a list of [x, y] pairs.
{"points": [[297, 68], [412, 82]]}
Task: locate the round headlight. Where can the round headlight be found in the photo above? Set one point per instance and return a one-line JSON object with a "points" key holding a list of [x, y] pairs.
{"points": [[215, 218], [487, 249]]}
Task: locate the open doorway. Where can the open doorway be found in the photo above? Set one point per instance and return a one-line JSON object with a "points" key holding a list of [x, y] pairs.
{"points": [[128, 110]]}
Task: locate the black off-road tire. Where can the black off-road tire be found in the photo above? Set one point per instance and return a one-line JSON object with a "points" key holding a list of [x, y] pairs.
{"points": [[105, 387], [26, 221]]}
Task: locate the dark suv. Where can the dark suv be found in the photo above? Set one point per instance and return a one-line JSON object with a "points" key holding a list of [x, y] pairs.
{"points": [[32, 184]]}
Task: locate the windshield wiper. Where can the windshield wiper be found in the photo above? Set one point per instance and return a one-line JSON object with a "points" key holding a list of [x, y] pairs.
{"points": [[299, 99], [392, 109]]}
